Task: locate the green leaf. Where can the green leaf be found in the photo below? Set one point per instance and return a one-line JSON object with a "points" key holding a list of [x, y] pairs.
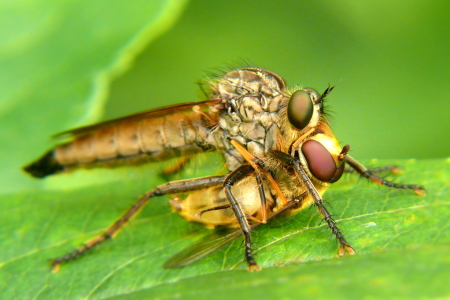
{"points": [[402, 242], [57, 59]]}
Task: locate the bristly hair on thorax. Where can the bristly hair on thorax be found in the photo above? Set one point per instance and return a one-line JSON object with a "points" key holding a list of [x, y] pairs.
{"points": [[208, 84], [212, 76]]}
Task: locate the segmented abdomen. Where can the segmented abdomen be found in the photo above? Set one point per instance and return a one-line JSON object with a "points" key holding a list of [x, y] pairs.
{"points": [[135, 142]]}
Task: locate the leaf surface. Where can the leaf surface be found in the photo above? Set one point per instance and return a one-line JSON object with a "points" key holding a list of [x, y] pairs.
{"points": [[401, 239]]}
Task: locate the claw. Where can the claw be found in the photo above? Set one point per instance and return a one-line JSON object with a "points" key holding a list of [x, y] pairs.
{"points": [[253, 268], [420, 192], [347, 248], [350, 250], [396, 171], [56, 267]]}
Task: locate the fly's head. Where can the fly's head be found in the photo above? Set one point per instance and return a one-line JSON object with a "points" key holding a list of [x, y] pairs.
{"points": [[281, 120], [303, 112], [306, 125]]}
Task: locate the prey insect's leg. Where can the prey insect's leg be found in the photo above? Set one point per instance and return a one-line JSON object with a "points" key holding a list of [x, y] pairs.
{"points": [[418, 189], [318, 201], [213, 208], [234, 177], [262, 196], [256, 220], [165, 189]]}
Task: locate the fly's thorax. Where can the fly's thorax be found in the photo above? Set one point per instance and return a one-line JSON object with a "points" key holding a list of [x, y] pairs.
{"points": [[251, 95], [251, 100], [248, 81], [246, 193]]}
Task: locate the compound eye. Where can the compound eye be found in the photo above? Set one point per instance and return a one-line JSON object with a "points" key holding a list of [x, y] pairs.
{"points": [[338, 174], [320, 162], [300, 109]]}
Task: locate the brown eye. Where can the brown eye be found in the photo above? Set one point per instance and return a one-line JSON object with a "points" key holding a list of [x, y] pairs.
{"points": [[300, 109], [338, 174], [320, 162]]}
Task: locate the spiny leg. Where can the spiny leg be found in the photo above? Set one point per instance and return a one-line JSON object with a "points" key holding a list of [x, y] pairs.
{"points": [[234, 177], [165, 189], [418, 189], [288, 160], [390, 168], [262, 197], [256, 165]]}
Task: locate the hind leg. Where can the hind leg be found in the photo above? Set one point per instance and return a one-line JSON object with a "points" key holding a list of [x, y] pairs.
{"points": [[165, 189]]}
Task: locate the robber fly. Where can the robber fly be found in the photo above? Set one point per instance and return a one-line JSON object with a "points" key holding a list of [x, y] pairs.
{"points": [[277, 144]]}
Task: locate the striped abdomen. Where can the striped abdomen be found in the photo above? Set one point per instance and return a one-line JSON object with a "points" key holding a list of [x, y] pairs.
{"points": [[134, 142]]}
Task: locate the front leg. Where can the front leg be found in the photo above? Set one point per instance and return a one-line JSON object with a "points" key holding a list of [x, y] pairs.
{"points": [[359, 168], [303, 177], [391, 168]]}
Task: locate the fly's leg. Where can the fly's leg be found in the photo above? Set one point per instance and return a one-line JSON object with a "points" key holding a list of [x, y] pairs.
{"points": [[257, 165], [234, 177], [289, 161], [262, 197], [359, 168], [165, 189], [213, 242], [390, 168]]}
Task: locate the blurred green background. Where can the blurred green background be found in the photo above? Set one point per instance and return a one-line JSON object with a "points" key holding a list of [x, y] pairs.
{"points": [[66, 64], [390, 61]]}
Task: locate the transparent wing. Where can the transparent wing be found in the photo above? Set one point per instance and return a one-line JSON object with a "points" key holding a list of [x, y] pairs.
{"points": [[202, 248], [153, 113], [213, 242]]}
